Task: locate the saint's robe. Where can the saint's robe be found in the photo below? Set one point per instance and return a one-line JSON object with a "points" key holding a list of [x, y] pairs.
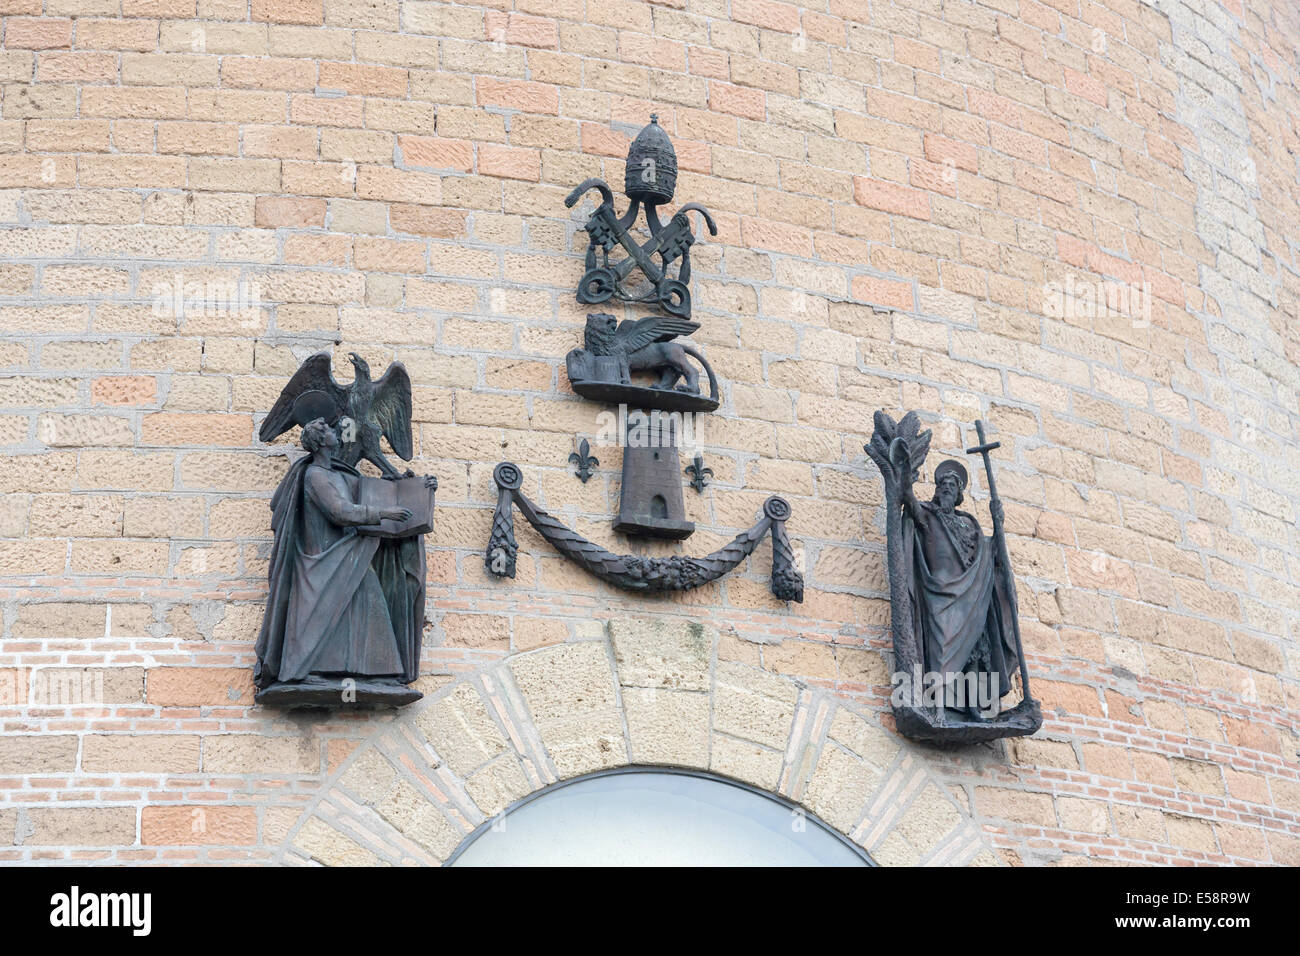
{"points": [[341, 603], [960, 611]]}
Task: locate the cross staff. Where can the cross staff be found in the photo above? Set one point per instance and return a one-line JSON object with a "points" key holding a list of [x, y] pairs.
{"points": [[1000, 541]]}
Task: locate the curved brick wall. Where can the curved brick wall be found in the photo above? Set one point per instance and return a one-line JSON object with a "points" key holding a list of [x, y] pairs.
{"points": [[916, 203]]}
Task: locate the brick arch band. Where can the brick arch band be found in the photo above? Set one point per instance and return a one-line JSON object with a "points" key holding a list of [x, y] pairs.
{"points": [[645, 693]]}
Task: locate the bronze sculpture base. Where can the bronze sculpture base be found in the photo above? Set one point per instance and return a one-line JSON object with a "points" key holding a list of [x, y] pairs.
{"points": [[645, 396], [650, 527], [332, 692], [921, 723]]}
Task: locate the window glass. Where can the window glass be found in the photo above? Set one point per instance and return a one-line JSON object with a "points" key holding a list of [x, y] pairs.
{"points": [[656, 818]]}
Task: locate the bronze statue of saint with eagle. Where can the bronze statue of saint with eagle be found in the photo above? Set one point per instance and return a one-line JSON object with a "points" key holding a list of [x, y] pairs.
{"points": [[345, 613]]}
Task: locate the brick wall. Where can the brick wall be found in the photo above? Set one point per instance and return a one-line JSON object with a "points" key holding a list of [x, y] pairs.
{"points": [[900, 188]]}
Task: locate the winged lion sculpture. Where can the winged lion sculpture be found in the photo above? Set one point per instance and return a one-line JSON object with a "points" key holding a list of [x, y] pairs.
{"points": [[639, 344]]}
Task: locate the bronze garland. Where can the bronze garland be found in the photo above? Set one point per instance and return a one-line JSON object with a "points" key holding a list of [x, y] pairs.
{"points": [[634, 572]]}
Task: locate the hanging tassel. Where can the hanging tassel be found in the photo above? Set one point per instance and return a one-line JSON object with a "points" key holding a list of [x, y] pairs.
{"points": [[499, 558], [787, 582]]}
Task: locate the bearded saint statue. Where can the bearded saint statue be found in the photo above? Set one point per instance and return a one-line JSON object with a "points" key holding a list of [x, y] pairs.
{"points": [[960, 609]]}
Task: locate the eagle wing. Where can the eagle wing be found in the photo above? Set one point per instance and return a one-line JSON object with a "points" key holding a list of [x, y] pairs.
{"points": [[391, 408], [636, 334], [312, 393]]}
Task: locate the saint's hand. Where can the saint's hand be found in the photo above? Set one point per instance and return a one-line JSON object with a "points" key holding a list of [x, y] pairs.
{"points": [[431, 481], [995, 509], [397, 514]]}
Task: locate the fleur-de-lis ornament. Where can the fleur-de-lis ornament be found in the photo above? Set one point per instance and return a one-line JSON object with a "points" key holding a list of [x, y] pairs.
{"points": [[699, 475], [584, 460]]}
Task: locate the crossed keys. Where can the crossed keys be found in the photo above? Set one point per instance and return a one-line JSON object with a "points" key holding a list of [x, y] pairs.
{"points": [[670, 242]]}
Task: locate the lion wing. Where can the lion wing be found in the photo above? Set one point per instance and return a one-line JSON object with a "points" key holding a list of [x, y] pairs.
{"points": [[636, 334]]}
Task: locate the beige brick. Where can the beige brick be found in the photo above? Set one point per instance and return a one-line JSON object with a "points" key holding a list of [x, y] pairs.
{"points": [[253, 754], [140, 753], [124, 390], [31, 33], [840, 786], [235, 175], [333, 848], [753, 705], [275, 211], [81, 826], [1018, 806], [51, 619], [745, 761], [31, 753], [175, 428], [418, 819], [198, 826], [80, 515], [662, 653], [863, 738], [169, 69], [476, 630], [96, 686], [461, 731], [499, 784], [570, 693], [667, 727], [288, 11], [929, 819]]}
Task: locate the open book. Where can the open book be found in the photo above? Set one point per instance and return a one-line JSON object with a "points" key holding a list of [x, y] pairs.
{"points": [[399, 493]]}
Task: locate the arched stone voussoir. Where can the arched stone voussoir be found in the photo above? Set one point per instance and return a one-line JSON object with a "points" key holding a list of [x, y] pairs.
{"points": [[648, 692]]}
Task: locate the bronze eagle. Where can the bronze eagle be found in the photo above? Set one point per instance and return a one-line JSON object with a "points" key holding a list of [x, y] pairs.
{"points": [[364, 410]]}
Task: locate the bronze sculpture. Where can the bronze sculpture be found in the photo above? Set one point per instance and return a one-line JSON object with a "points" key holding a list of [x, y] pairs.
{"points": [[953, 605], [634, 572], [657, 414], [651, 498], [650, 178], [345, 610], [699, 474], [612, 350], [366, 410], [584, 460]]}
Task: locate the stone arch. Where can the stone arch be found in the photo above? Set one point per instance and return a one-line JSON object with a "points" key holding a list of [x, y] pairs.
{"points": [[651, 692]]}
